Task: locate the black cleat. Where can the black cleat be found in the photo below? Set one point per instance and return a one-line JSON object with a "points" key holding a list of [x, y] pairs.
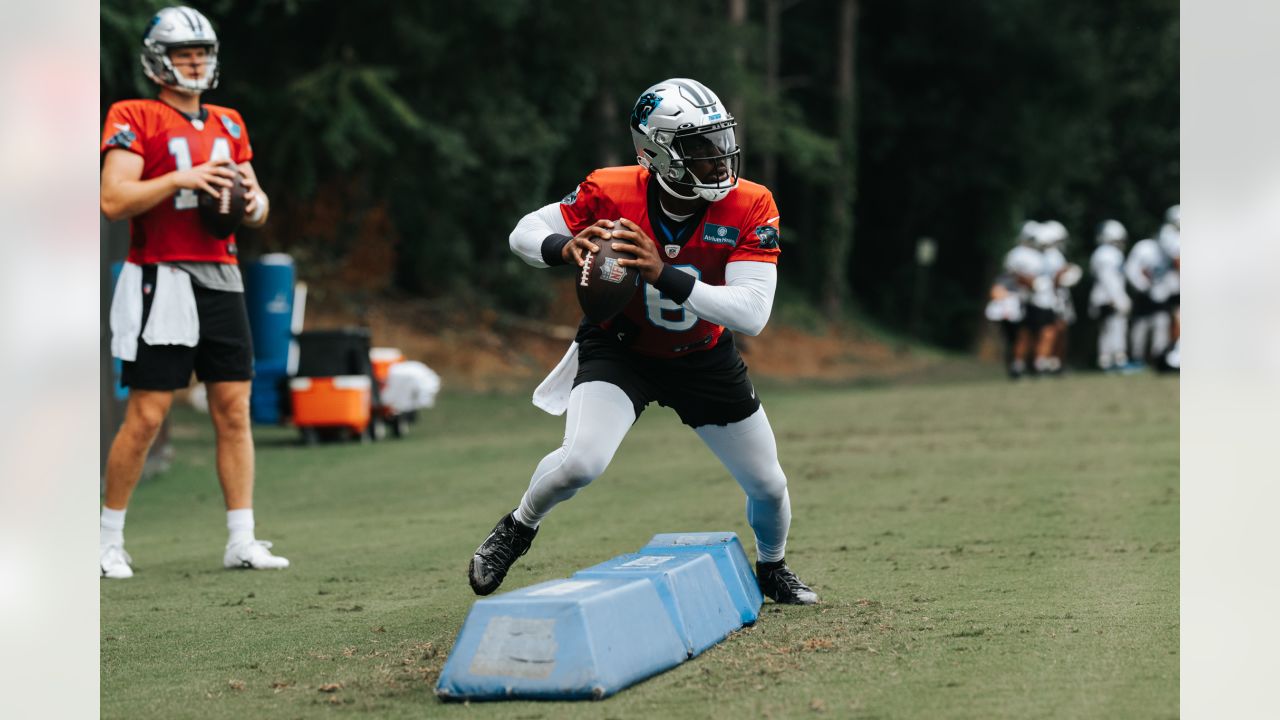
{"points": [[495, 556], [777, 581]]}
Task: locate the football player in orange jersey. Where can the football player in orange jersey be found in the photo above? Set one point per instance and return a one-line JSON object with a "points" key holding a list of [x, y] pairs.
{"points": [[705, 242], [179, 303]]}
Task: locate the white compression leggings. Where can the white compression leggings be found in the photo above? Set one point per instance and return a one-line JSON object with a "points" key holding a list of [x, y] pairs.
{"points": [[1112, 338], [599, 416]]}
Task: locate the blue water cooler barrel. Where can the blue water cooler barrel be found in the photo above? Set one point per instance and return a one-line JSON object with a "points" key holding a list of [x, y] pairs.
{"points": [[268, 287]]}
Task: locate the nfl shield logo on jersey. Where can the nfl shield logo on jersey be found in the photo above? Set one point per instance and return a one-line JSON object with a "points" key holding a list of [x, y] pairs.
{"points": [[672, 250]]}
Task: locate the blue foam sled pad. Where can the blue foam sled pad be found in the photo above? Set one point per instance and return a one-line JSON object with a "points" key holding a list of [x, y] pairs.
{"points": [[691, 589], [563, 639], [730, 559]]}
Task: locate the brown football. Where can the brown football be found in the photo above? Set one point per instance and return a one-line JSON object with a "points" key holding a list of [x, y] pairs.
{"points": [[604, 286], [223, 214]]}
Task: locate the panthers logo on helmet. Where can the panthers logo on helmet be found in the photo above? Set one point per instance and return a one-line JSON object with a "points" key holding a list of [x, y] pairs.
{"points": [[644, 107], [571, 198], [768, 236]]}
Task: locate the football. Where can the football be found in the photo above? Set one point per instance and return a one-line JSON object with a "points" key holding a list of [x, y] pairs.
{"points": [[604, 287], [221, 215]]}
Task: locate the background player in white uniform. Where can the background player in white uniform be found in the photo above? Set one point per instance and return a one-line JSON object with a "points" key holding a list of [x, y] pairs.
{"points": [[1006, 304], [1154, 283], [1108, 301], [1024, 269], [1052, 239], [1170, 240]]}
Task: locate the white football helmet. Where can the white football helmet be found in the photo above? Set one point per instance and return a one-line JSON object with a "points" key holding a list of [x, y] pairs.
{"points": [[179, 27], [1024, 262], [1173, 216], [1027, 234], [680, 120], [1051, 233], [1111, 232]]}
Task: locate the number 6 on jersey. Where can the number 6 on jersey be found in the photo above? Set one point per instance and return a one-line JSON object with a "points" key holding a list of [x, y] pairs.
{"points": [[665, 312]]}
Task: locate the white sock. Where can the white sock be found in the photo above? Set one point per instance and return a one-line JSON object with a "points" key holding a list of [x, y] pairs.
{"points": [[240, 526], [111, 530]]}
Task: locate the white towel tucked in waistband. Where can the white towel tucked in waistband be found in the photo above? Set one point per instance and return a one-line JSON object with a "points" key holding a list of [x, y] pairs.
{"points": [[173, 319], [552, 395]]}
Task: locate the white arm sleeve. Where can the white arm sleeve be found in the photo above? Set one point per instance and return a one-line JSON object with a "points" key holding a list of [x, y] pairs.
{"points": [[745, 300], [526, 239]]}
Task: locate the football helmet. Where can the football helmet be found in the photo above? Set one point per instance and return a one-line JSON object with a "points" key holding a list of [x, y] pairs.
{"points": [[1173, 216], [1024, 262], [179, 27], [678, 121], [1027, 234], [1051, 233], [1111, 232]]}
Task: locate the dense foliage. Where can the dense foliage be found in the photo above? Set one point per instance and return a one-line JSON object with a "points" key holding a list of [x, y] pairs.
{"points": [[400, 141]]}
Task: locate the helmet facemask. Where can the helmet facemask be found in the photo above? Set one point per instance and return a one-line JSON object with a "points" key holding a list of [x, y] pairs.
{"points": [[713, 150], [160, 68]]}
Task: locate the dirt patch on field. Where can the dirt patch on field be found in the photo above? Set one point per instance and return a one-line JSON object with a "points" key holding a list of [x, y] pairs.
{"points": [[489, 350]]}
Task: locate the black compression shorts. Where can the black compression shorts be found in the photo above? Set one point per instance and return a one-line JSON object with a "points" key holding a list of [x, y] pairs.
{"points": [[224, 352]]}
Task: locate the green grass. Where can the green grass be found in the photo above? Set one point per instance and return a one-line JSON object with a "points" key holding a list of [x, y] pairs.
{"points": [[982, 550]]}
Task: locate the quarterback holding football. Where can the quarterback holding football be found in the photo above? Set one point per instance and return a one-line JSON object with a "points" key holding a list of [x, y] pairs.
{"points": [[179, 170], [705, 245]]}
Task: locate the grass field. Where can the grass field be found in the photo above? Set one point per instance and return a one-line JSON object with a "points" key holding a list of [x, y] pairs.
{"points": [[982, 550]]}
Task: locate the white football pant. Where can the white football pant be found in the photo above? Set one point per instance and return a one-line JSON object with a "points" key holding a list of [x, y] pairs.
{"points": [[599, 416], [1112, 337], [1154, 328]]}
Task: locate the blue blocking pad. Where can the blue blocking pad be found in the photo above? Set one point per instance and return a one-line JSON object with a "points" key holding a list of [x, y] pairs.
{"points": [[730, 559], [691, 589], [580, 638]]}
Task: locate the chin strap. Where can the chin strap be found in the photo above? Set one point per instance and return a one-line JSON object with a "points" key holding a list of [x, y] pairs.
{"points": [[708, 194], [663, 182]]}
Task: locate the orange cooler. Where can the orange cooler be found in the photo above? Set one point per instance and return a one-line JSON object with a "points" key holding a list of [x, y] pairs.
{"points": [[342, 401], [382, 358]]}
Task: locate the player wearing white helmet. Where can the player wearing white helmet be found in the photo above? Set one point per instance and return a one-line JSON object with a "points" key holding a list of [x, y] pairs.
{"points": [[1170, 241], [705, 244], [1108, 301], [1027, 234], [1060, 276], [1018, 301], [158, 156], [1153, 284]]}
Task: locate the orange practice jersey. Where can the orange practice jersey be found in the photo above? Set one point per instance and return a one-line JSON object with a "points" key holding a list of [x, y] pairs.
{"points": [[167, 141], [742, 226]]}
